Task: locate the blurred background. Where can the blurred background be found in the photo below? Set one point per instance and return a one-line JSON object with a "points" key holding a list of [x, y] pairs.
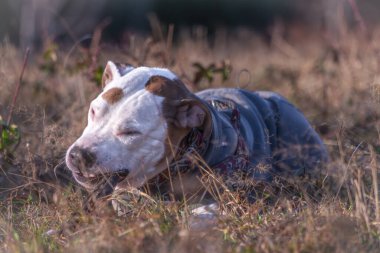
{"points": [[33, 22]]}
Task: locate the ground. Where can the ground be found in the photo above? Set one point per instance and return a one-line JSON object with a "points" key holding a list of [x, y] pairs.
{"points": [[334, 81]]}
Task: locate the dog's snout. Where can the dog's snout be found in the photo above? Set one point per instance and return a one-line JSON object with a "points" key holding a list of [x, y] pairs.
{"points": [[81, 158]]}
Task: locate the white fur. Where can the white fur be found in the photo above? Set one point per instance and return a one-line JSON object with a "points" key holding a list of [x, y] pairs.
{"points": [[114, 70], [138, 109]]}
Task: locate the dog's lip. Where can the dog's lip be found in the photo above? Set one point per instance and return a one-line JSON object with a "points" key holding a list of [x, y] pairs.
{"points": [[95, 177]]}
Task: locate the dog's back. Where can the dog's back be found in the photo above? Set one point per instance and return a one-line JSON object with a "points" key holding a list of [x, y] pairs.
{"points": [[276, 133]]}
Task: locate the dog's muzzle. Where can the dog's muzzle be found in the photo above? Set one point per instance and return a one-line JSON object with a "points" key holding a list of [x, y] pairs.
{"points": [[81, 160]]}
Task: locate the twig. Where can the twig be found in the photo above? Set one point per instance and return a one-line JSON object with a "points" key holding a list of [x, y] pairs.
{"points": [[169, 43], [17, 91], [155, 25], [357, 15], [76, 44], [95, 43], [375, 186]]}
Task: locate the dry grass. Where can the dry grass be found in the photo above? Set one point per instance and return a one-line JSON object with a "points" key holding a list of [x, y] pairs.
{"points": [[337, 85]]}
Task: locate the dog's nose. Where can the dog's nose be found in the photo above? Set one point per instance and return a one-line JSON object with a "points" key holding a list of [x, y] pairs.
{"points": [[81, 158]]}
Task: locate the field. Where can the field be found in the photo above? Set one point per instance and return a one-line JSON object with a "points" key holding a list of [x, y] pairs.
{"points": [[334, 80]]}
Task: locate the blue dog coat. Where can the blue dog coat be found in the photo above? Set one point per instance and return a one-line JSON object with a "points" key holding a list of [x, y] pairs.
{"points": [[277, 135]]}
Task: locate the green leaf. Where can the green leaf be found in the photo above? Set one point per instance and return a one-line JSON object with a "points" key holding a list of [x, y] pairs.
{"points": [[98, 74], [5, 136], [10, 136]]}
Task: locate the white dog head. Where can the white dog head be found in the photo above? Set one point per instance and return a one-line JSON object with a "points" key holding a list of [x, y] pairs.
{"points": [[134, 126]]}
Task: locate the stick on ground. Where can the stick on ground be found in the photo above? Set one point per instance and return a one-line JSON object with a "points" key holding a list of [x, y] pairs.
{"points": [[17, 91]]}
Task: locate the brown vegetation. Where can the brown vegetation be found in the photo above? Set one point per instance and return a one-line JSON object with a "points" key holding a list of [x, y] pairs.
{"points": [[336, 84]]}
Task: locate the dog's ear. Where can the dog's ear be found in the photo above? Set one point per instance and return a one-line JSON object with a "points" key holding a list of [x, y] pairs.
{"points": [[190, 113], [114, 71], [181, 107]]}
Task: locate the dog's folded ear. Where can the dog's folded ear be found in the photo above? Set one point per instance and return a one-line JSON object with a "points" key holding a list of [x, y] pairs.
{"points": [[114, 71], [181, 107], [190, 113]]}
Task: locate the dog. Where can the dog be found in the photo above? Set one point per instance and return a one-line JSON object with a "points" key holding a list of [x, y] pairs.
{"points": [[146, 123]]}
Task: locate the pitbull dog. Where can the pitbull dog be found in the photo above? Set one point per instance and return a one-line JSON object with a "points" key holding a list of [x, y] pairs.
{"points": [[146, 122]]}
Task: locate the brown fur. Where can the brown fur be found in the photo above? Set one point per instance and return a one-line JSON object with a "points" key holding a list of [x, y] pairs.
{"points": [[177, 100], [176, 97], [113, 95]]}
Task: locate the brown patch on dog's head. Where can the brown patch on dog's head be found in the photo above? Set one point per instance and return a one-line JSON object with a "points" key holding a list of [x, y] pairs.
{"points": [[181, 109], [113, 95]]}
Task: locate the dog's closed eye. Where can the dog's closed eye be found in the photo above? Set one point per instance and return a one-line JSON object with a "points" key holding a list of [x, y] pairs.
{"points": [[92, 113], [128, 132]]}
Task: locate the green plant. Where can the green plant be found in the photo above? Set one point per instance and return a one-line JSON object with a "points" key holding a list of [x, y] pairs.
{"points": [[10, 137], [209, 72], [50, 59]]}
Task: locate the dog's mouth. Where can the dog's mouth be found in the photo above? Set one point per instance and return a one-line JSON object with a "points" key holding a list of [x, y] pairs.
{"points": [[95, 178], [103, 184]]}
